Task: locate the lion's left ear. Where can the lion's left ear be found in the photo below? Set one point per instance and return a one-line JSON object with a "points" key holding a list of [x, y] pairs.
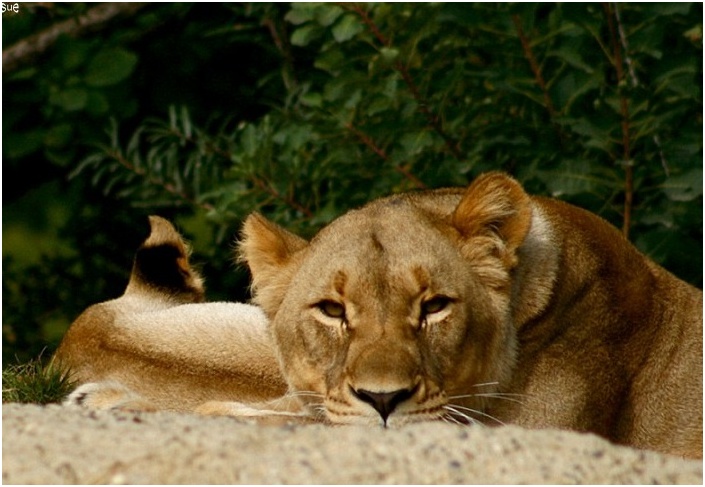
{"points": [[495, 205], [269, 251]]}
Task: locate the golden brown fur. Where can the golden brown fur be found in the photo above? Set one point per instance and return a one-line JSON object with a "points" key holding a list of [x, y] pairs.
{"points": [[158, 346], [473, 305]]}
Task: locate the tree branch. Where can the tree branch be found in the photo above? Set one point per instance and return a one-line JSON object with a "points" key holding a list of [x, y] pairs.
{"points": [[269, 189], [27, 49], [282, 44], [434, 121], [535, 68], [635, 82], [624, 111], [168, 187], [365, 139], [261, 184]]}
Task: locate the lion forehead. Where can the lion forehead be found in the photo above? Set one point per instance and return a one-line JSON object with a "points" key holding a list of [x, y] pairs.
{"points": [[386, 232], [380, 252]]}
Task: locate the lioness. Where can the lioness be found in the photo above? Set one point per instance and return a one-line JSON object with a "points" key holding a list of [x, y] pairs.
{"points": [[159, 346], [478, 305]]}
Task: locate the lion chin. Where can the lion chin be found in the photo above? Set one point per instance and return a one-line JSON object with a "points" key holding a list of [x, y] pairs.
{"points": [[479, 305]]}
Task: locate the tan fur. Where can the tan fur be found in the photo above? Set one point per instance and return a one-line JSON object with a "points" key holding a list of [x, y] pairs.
{"points": [[161, 347], [555, 319], [477, 305]]}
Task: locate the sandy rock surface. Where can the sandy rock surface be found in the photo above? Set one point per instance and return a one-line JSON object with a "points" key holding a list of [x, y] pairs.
{"points": [[55, 444]]}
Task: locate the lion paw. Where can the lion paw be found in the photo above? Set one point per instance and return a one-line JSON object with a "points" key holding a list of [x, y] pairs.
{"points": [[108, 395]]}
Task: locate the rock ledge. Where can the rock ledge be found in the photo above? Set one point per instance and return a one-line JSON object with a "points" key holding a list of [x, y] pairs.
{"points": [[55, 444]]}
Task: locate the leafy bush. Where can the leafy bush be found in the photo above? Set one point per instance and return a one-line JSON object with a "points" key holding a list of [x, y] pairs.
{"points": [[409, 96], [598, 104]]}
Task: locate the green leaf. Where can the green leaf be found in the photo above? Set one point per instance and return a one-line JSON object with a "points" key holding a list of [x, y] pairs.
{"points": [[346, 28], [71, 99], [379, 104], [58, 135], [326, 14], [684, 187], [353, 99], [597, 136], [572, 87], [110, 66], [97, 103], [22, 74], [668, 8], [572, 54], [312, 99], [694, 34], [330, 60], [72, 52], [301, 13], [304, 35], [572, 177], [249, 140], [460, 13], [389, 54], [22, 144], [414, 143]]}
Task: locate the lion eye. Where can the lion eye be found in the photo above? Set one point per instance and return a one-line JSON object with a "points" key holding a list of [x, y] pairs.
{"points": [[332, 309], [434, 305]]}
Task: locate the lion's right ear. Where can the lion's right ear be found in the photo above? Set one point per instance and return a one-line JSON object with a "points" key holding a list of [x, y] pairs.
{"points": [[269, 251]]}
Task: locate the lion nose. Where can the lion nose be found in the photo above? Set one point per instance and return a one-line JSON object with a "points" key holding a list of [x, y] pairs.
{"points": [[384, 402]]}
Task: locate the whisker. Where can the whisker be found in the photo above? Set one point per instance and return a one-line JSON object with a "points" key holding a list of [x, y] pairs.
{"points": [[451, 420], [489, 394], [484, 384], [469, 419], [278, 402], [475, 411], [504, 397], [463, 396], [502, 394]]}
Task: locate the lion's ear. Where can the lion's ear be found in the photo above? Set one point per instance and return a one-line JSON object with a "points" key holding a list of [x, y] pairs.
{"points": [[495, 205], [161, 264], [268, 250]]}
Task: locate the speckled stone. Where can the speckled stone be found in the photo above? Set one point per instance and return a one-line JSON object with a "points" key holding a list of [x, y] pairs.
{"points": [[55, 445]]}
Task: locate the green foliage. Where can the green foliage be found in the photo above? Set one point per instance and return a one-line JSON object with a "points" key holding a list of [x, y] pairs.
{"points": [[423, 95], [35, 382], [68, 243], [598, 104]]}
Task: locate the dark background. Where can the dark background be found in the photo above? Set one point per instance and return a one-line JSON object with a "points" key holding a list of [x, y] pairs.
{"points": [[203, 113]]}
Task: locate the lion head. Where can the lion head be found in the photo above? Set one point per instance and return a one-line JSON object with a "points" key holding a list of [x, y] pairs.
{"points": [[400, 311]]}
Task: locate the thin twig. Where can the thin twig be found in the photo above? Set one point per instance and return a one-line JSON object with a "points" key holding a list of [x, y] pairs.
{"points": [[434, 121], [266, 187], [535, 68], [635, 81], [365, 139], [27, 49], [282, 44], [624, 110], [170, 188]]}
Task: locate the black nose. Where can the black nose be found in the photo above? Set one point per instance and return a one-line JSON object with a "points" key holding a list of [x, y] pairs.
{"points": [[384, 402]]}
